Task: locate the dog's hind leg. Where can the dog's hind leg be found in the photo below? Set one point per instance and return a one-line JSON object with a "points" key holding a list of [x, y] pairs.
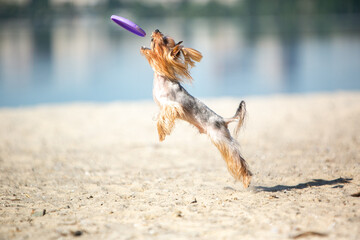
{"points": [[229, 149]]}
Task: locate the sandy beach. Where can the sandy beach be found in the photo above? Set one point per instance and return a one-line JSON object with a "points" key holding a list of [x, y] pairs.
{"points": [[97, 171]]}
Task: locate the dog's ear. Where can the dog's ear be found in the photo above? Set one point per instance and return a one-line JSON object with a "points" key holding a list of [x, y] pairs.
{"points": [[170, 42], [176, 50], [192, 54]]}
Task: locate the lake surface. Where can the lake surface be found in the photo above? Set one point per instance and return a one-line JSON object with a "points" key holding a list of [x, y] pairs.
{"points": [[92, 59]]}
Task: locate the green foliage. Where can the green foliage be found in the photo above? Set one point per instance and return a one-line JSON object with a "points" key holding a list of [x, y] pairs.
{"points": [[186, 8]]}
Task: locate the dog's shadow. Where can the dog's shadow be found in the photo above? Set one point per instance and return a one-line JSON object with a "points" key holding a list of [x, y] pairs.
{"points": [[314, 183]]}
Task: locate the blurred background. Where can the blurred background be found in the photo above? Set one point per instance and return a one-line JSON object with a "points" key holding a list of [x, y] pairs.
{"points": [[55, 51]]}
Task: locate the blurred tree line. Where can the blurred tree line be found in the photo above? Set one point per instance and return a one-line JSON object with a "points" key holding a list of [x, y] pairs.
{"points": [[184, 8]]}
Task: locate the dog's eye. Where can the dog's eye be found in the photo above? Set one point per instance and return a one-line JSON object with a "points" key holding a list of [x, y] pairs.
{"points": [[165, 40], [152, 39]]}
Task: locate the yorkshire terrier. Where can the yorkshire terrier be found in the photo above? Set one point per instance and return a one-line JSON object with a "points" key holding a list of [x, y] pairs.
{"points": [[171, 63]]}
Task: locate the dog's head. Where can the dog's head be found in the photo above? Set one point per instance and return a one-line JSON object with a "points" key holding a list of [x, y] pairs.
{"points": [[170, 59]]}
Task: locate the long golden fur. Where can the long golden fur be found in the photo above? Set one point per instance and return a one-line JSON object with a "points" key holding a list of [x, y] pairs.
{"points": [[170, 59], [166, 119], [171, 64]]}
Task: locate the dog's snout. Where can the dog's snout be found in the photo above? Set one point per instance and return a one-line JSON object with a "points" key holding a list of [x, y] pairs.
{"points": [[157, 31]]}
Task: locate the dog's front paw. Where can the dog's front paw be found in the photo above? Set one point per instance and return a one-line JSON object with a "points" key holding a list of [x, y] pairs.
{"points": [[161, 137]]}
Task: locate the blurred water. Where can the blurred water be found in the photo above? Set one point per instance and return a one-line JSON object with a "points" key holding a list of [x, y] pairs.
{"points": [[92, 59]]}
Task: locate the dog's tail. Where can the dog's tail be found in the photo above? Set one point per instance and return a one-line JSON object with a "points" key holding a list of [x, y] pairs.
{"points": [[229, 149], [239, 117]]}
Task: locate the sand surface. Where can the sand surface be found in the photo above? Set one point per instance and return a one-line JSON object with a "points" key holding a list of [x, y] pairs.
{"points": [[97, 171]]}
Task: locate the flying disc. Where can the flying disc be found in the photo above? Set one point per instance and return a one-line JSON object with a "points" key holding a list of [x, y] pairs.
{"points": [[128, 25]]}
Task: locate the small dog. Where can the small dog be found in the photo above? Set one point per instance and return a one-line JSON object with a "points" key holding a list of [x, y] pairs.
{"points": [[171, 64]]}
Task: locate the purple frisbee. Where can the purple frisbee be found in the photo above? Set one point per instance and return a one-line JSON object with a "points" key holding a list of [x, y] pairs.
{"points": [[128, 25]]}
